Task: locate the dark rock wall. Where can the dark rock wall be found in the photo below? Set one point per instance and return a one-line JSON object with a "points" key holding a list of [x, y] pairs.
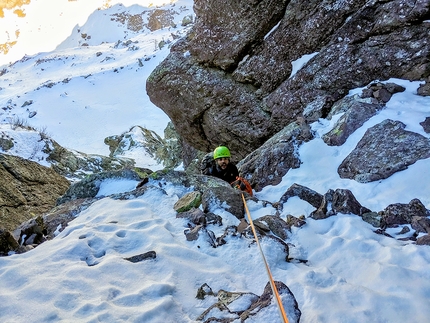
{"points": [[228, 81]]}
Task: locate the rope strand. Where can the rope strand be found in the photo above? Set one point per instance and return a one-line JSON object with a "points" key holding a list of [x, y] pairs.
{"points": [[272, 283]]}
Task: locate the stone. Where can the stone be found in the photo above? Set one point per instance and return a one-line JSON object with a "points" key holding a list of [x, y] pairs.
{"points": [[143, 256], [188, 201], [400, 213], [420, 224], [373, 218], [286, 296], [193, 234], [339, 201], [424, 240], [239, 306], [356, 114], [424, 89], [226, 198], [274, 224], [304, 193], [385, 149], [426, 124], [7, 243], [270, 162]]}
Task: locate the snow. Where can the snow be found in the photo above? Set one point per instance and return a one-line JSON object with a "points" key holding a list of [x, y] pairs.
{"points": [[352, 273], [114, 186], [26, 143], [300, 62]]}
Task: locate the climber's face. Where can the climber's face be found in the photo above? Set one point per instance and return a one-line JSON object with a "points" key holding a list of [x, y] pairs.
{"points": [[223, 162]]}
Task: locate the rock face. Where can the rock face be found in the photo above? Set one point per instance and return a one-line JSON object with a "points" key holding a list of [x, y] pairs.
{"points": [[27, 189], [230, 79], [356, 114], [384, 149], [269, 163]]}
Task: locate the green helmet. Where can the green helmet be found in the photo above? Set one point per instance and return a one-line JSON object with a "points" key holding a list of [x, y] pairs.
{"points": [[221, 152]]}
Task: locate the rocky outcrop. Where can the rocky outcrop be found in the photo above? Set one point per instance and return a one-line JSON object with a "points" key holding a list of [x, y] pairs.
{"points": [[399, 213], [230, 79], [27, 189], [338, 201], [269, 163], [157, 19], [90, 186], [357, 109], [39, 229], [166, 151], [234, 306], [76, 165], [72, 164], [384, 149]]}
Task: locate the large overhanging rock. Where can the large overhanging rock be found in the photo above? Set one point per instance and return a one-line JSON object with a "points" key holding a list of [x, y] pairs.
{"points": [[223, 34], [229, 81]]}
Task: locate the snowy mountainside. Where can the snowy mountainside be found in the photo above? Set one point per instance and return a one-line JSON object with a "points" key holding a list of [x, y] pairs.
{"points": [[103, 82], [119, 23]]}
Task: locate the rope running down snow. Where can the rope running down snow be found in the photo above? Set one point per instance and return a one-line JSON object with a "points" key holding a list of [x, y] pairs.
{"points": [[272, 283]]}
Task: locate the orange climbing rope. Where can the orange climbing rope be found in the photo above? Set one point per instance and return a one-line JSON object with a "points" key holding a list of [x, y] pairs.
{"points": [[272, 283]]}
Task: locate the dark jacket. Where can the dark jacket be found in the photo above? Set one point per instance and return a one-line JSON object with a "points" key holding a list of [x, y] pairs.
{"points": [[229, 174]]}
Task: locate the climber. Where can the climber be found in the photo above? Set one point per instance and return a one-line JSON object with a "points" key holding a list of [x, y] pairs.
{"points": [[219, 165]]}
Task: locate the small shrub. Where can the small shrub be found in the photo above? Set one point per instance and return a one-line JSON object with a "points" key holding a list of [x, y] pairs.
{"points": [[18, 122], [43, 133]]}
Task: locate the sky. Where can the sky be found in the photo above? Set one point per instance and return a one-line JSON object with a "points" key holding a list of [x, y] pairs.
{"points": [[352, 273]]}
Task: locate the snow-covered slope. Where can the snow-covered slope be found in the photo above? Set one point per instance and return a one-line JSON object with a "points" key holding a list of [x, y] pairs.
{"points": [[101, 85]]}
